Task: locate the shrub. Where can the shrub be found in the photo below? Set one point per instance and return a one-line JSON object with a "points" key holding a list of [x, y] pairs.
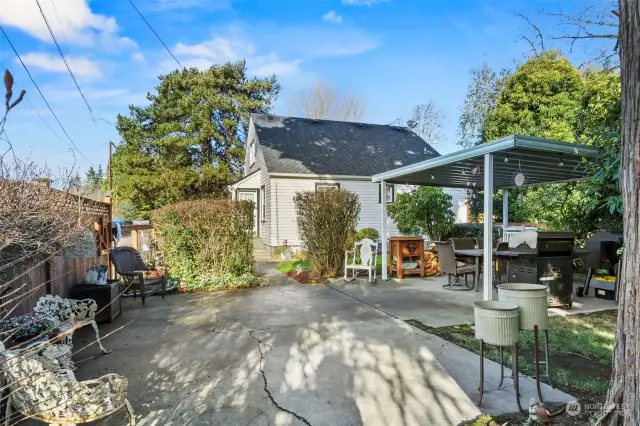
{"points": [[207, 244], [370, 233], [426, 211], [326, 223]]}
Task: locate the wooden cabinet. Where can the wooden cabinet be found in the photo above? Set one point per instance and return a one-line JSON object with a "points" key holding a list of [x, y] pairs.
{"points": [[406, 251]]}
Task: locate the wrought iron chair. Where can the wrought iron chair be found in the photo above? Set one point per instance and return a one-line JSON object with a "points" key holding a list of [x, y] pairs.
{"points": [[449, 266], [57, 399], [362, 260], [131, 267], [70, 314]]}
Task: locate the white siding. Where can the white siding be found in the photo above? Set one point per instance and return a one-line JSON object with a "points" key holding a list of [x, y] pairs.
{"points": [[459, 199], [284, 225], [256, 181]]}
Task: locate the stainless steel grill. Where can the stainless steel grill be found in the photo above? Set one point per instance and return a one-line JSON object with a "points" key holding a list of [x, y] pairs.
{"points": [[550, 264]]}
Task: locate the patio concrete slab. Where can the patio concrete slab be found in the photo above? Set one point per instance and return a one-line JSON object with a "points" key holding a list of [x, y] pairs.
{"points": [[284, 355], [425, 300]]}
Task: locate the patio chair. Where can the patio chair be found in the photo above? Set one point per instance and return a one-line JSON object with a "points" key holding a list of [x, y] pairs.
{"points": [[69, 315], [57, 398], [480, 242], [130, 266], [463, 244], [362, 260], [449, 266]]}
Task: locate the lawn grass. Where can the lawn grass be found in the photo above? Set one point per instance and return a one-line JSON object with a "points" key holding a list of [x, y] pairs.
{"points": [[580, 350], [292, 265]]}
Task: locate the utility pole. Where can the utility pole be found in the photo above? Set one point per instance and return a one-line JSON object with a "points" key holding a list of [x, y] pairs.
{"points": [[111, 144]]}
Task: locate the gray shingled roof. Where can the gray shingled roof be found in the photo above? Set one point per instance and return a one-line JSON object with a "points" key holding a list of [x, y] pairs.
{"points": [[302, 145]]}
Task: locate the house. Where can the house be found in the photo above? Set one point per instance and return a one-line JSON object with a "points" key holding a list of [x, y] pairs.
{"points": [[285, 155]]}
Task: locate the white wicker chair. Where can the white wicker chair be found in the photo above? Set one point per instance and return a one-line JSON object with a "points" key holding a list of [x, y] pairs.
{"points": [[364, 256], [57, 398], [69, 314]]}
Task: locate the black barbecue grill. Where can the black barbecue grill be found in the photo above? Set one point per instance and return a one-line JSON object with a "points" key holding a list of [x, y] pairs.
{"points": [[550, 264], [603, 254]]}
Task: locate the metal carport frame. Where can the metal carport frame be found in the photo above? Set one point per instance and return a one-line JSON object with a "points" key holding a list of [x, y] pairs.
{"points": [[492, 166]]}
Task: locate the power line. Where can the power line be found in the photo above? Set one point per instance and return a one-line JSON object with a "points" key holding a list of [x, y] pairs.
{"points": [[154, 31], [55, 9], [45, 121], [62, 55], [43, 98]]}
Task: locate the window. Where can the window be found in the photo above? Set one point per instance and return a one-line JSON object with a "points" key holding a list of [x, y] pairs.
{"points": [[252, 152], [322, 187], [263, 204], [391, 193]]}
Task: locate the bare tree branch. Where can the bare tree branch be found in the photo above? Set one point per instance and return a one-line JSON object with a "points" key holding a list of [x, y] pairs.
{"points": [[538, 36], [324, 102]]}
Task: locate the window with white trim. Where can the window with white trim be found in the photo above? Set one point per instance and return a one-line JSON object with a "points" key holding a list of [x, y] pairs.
{"points": [[322, 187], [251, 152], [391, 193]]}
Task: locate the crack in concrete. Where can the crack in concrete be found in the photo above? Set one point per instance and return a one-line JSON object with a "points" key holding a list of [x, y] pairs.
{"points": [[266, 383]]}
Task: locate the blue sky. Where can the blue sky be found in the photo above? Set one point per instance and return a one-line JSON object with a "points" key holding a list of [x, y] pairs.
{"points": [[393, 53]]}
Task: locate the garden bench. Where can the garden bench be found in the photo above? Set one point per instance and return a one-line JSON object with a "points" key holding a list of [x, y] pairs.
{"points": [[57, 398], [68, 315]]}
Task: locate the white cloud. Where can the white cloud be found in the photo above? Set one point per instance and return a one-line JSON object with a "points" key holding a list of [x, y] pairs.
{"points": [[81, 66], [362, 2], [218, 49], [138, 57], [332, 16], [71, 21]]}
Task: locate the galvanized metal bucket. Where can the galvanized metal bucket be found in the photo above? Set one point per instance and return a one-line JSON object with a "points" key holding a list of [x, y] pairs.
{"points": [[532, 300], [496, 322]]}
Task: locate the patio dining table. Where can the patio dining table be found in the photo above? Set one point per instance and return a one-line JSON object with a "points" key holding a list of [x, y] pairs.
{"points": [[478, 254]]}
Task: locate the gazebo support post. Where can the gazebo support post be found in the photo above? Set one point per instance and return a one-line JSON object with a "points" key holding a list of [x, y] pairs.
{"points": [[383, 234], [487, 276], [505, 209]]}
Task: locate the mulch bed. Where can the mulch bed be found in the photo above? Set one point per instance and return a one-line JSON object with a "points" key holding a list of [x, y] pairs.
{"points": [[304, 277]]}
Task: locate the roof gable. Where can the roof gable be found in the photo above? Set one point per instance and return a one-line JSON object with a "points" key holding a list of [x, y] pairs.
{"points": [[326, 147]]}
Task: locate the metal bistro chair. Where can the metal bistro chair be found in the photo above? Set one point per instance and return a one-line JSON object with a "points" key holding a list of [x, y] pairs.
{"points": [[131, 267], [449, 266]]}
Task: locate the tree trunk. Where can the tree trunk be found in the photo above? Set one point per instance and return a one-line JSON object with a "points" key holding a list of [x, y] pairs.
{"points": [[623, 399]]}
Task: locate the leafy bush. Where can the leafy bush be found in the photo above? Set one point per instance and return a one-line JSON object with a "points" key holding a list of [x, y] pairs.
{"points": [[425, 211], [326, 223], [207, 244], [370, 233]]}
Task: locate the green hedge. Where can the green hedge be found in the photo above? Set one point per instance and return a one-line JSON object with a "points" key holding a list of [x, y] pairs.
{"points": [[208, 244]]}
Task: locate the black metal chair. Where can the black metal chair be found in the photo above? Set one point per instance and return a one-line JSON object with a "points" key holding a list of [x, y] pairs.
{"points": [[130, 266], [449, 266]]}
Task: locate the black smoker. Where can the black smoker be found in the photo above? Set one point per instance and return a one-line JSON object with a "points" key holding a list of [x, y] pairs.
{"points": [[602, 250], [550, 264]]}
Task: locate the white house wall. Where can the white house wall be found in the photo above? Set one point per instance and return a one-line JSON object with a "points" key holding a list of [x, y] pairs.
{"points": [[256, 181], [284, 228]]}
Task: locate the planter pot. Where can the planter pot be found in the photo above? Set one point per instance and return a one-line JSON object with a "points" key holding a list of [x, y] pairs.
{"points": [[496, 322], [532, 300]]}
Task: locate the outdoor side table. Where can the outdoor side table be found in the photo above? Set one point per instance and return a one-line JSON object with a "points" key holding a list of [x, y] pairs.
{"points": [[403, 246]]}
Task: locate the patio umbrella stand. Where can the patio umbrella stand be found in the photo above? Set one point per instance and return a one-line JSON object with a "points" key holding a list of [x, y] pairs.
{"points": [[496, 323], [533, 316]]}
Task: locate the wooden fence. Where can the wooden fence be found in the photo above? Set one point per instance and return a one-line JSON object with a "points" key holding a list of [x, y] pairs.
{"points": [[55, 276]]}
